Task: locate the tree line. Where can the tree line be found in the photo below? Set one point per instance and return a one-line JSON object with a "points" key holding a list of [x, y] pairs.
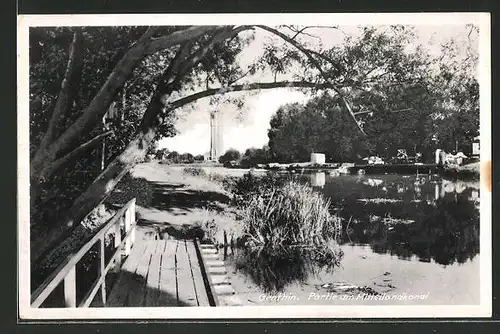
{"points": [[435, 106]]}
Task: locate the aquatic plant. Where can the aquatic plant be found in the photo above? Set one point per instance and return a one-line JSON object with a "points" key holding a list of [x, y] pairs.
{"points": [[251, 185], [290, 215], [288, 231]]}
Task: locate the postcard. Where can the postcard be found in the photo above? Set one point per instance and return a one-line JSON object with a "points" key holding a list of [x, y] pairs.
{"points": [[254, 166]]}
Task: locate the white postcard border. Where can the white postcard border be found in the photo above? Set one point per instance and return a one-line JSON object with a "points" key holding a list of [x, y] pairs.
{"points": [[251, 312]]}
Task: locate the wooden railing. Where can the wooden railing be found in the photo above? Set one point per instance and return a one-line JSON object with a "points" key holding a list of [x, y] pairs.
{"points": [[67, 270]]}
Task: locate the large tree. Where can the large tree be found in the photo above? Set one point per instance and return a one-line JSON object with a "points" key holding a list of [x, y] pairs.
{"points": [[319, 126], [406, 98], [230, 155], [79, 74]]}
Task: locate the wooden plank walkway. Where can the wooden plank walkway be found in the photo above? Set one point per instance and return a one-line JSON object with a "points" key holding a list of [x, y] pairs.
{"points": [[160, 273]]}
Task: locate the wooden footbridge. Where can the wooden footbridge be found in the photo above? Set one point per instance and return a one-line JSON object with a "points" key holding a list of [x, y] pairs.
{"points": [[147, 272]]}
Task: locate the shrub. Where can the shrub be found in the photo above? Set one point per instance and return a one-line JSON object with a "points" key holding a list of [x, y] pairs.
{"points": [[130, 187], [194, 171], [186, 158], [292, 214], [230, 155], [218, 178], [250, 185]]}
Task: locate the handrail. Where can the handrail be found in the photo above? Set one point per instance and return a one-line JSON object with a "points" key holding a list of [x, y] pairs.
{"points": [[67, 270]]}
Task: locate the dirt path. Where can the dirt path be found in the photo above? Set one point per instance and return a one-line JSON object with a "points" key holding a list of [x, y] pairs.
{"points": [[181, 204]]}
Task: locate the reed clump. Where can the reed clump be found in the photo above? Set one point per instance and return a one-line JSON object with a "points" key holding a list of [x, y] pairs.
{"points": [[291, 215]]}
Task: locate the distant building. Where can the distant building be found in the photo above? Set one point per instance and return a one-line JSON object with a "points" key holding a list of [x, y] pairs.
{"points": [[475, 146], [318, 158]]}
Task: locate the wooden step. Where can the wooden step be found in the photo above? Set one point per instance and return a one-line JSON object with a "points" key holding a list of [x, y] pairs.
{"points": [[214, 263], [209, 251], [230, 300], [225, 289], [220, 279], [216, 270], [211, 256], [207, 246]]}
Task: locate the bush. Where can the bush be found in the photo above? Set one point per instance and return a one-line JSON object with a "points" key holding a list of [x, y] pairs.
{"points": [[186, 158], [292, 214], [218, 178], [194, 171], [255, 156], [250, 185], [130, 187], [230, 155]]}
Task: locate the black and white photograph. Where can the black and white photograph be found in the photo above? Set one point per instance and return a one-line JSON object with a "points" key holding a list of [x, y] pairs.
{"points": [[254, 166]]}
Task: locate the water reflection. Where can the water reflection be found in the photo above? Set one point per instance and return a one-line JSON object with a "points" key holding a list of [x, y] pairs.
{"points": [[415, 218], [273, 269], [318, 179], [426, 217], [372, 182]]}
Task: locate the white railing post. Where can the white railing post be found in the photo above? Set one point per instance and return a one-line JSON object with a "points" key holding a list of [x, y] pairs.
{"points": [[128, 222], [118, 233], [102, 267], [118, 241], [70, 288], [132, 221]]}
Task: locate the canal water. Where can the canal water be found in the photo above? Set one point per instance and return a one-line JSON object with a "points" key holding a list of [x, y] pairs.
{"points": [[406, 239]]}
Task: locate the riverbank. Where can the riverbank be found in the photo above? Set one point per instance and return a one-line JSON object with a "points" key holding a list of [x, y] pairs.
{"points": [[369, 278], [186, 202], [468, 171], [183, 203]]}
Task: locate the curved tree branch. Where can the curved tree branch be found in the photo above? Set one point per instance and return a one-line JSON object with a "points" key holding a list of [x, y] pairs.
{"points": [[76, 152], [223, 34], [99, 104], [70, 81], [117, 78], [160, 43], [320, 69], [243, 87], [180, 65]]}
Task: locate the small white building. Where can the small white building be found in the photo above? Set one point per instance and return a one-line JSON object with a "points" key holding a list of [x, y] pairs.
{"points": [[318, 158], [475, 146]]}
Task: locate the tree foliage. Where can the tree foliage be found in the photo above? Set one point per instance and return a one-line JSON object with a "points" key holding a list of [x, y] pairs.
{"points": [[405, 99], [230, 155], [318, 126], [255, 156], [144, 74]]}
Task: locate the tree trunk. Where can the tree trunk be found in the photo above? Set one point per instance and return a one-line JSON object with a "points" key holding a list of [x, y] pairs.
{"points": [[103, 185], [97, 192], [121, 165], [46, 154], [69, 87]]}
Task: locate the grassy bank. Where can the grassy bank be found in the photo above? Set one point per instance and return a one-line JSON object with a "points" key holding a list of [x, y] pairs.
{"points": [[264, 214], [266, 208]]}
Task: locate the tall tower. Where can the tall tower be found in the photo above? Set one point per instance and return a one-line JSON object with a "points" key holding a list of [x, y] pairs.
{"points": [[215, 136]]}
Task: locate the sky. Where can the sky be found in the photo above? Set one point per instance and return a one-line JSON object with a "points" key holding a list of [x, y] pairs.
{"points": [[251, 130]]}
